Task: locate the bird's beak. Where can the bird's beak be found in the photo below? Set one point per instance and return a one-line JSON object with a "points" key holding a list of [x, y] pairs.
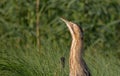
{"points": [[68, 23]]}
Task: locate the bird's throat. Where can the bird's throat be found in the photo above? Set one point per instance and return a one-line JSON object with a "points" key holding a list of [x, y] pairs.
{"points": [[76, 57]]}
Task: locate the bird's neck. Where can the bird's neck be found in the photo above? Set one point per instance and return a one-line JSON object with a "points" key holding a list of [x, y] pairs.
{"points": [[76, 49], [76, 61], [77, 45]]}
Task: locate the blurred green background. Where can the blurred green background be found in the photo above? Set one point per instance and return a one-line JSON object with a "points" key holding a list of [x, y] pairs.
{"points": [[100, 20]]}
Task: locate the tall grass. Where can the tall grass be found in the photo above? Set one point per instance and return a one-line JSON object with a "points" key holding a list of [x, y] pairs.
{"points": [[18, 53]]}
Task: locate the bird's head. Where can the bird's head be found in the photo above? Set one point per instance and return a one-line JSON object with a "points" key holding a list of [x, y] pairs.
{"points": [[75, 30]]}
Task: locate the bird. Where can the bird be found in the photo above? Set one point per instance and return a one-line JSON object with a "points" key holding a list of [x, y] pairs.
{"points": [[77, 64]]}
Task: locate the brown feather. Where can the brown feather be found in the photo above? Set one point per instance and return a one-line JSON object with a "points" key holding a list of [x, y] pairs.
{"points": [[77, 65]]}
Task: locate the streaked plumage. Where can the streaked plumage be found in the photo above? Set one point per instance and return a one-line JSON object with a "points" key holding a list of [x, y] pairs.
{"points": [[77, 65]]}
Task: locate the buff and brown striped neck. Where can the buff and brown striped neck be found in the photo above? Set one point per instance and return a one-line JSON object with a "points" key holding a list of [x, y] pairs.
{"points": [[76, 63]]}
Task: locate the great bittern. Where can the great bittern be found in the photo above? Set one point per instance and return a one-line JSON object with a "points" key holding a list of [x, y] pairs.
{"points": [[77, 65]]}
